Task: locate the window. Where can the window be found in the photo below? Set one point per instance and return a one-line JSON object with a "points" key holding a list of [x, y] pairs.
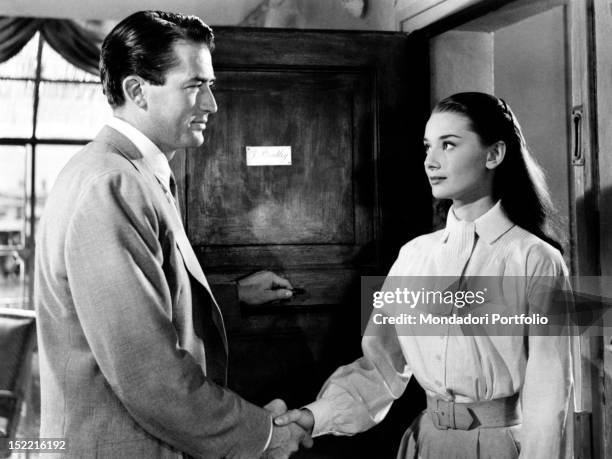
{"points": [[49, 110]]}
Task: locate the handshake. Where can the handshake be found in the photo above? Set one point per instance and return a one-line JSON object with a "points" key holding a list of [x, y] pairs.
{"points": [[290, 430]]}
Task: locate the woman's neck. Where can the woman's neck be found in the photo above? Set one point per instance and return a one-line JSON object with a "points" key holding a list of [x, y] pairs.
{"points": [[470, 211]]}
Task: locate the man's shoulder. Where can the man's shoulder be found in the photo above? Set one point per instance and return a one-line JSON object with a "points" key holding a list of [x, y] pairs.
{"points": [[99, 156], [98, 160], [97, 166]]}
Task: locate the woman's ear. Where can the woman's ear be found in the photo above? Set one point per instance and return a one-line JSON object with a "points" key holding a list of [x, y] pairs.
{"points": [[134, 90], [496, 154]]}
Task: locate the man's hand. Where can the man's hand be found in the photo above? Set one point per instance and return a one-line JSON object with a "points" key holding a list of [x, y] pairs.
{"points": [[285, 439], [303, 418], [276, 407], [262, 287]]}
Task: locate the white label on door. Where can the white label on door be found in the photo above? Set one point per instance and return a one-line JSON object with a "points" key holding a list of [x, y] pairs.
{"points": [[268, 156]]}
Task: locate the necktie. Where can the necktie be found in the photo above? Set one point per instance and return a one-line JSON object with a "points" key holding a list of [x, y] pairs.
{"points": [[174, 192]]}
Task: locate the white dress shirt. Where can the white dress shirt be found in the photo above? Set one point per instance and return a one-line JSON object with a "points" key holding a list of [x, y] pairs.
{"points": [[155, 158], [456, 367]]}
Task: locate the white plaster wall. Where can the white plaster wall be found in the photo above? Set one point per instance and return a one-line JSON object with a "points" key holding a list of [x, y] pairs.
{"points": [[460, 61], [530, 74], [316, 14], [224, 12]]}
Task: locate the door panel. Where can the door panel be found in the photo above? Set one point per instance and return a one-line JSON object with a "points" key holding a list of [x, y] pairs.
{"points": [[309, 202]]}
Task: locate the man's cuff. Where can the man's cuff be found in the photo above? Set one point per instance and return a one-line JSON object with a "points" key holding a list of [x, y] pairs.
{"points": [[322, 411], [269, 435]]}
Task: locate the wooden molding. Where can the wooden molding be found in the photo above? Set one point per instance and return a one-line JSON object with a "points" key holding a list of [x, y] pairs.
{"points": [[412, 15]]}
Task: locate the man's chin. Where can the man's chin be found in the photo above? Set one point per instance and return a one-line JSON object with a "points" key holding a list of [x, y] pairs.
{"points": [[195, 140]]}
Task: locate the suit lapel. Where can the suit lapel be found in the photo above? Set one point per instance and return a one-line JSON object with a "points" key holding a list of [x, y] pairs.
{"points": [[128, 150]]}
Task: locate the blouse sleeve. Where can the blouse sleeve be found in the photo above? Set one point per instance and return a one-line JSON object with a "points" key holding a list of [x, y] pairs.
{"points": [[546, 393], [359, 395]]}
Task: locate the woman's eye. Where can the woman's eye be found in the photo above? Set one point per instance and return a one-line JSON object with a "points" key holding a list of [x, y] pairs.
{"points": [[447, 145], [426, 148]]}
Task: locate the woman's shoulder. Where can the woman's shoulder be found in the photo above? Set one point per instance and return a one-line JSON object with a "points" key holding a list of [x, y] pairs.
{"points": [[413, 256], [422, 242], [539, 256]]}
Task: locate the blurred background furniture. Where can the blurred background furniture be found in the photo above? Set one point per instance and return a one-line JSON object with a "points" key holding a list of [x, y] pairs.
{"points": [[17, 342]]}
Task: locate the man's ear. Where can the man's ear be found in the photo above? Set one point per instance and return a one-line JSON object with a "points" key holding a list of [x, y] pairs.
{"points": [[134, 90], [496, 154]]}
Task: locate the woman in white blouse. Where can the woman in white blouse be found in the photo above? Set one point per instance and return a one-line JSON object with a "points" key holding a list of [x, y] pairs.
{"points": [[487, 396]]}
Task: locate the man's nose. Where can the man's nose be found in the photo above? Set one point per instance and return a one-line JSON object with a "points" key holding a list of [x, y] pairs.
{"points": [[207, 101]]}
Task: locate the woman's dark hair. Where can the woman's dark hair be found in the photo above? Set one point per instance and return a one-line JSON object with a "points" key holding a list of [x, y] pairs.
{"points": [[142, 44], [519, 181]]}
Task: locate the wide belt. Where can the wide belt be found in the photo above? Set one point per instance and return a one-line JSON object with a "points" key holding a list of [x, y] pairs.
{"points": [[500, 412]]}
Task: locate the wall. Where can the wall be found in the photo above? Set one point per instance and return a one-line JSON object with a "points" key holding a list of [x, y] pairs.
{"points": [[472, 72], [318, 14], [116, 9], [524, 63], [530, 74], [329, 14]]}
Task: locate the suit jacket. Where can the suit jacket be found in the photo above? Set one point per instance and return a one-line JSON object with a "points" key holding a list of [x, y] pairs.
{"points": [[129, 333]]}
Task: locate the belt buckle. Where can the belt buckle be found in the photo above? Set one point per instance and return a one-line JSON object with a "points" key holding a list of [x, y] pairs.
{"points": [[444, 415]]}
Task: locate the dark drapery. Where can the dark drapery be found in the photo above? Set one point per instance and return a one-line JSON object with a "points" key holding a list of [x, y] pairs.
{"points": [[77, 42]]}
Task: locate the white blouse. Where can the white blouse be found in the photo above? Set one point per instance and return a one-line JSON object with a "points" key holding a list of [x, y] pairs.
{"points": [[453, 366]]}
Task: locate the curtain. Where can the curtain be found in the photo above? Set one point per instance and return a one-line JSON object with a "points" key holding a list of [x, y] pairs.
{"points": [[14, 34], [77, 42]]}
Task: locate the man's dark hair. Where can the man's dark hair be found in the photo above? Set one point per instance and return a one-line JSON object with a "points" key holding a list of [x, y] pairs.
{"points": [[142, 44]]}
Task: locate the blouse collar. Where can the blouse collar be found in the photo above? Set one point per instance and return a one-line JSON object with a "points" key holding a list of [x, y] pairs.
{"points": [[490, 226]]}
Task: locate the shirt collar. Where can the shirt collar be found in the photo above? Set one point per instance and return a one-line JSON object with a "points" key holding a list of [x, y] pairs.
{"points": [[490, 226], [154, 157]]}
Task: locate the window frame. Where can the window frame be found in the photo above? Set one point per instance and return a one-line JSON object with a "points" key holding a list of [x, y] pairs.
{"points": [[26, 250]]}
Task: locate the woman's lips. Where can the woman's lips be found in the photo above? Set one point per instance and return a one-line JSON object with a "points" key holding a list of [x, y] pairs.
{"points": [[436, 180]]}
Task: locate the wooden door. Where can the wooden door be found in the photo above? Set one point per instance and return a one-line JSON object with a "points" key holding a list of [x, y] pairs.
{"points": [[351, 107]]}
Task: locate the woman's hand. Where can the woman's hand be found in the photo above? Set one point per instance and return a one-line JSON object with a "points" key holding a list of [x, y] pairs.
{"points": [[304, 418]]}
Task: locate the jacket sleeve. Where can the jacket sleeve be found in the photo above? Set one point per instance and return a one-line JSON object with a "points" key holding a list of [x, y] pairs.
{"points": [[122, 299]]}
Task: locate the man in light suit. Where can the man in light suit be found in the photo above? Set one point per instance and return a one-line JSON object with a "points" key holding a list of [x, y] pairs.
{"points": [[133, 352]]}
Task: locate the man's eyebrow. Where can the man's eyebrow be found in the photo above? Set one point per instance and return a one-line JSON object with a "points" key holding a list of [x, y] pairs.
{"points": [[201, 80]]}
